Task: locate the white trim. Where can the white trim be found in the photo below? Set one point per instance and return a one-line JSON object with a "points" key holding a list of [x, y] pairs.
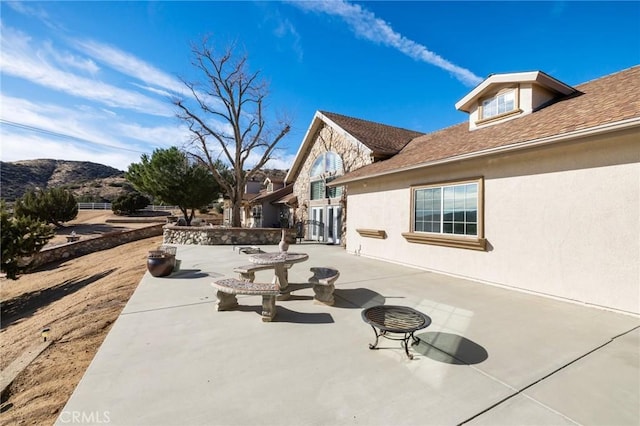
{"points": [[591, 131], [313, 127], [307, 142], [538, 77]]}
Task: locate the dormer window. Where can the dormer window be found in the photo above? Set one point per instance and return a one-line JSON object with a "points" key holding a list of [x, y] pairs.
{"points": [[502, 103], [503, 97]]}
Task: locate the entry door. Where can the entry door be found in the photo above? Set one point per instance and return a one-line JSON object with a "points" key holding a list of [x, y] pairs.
{"points": [[334, 224], [317, 224]]}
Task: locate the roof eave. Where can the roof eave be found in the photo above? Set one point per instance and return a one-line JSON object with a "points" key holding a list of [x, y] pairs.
{"points": [[299, 158], [563, 137], [537, 77]]}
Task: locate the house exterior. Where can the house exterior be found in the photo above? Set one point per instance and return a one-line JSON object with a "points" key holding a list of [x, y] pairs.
{"points": [[272, 207], [251, 213], [538, 191], [334, 145]]}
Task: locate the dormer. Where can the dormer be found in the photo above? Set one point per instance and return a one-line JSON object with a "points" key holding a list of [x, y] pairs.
{"points": [[272, 184], [503, 97]]}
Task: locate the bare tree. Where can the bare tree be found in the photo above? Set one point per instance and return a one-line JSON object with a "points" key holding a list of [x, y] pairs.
{"points": [[227, 119]]}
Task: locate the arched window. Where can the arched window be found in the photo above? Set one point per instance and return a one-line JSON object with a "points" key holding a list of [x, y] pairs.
{"points": [[326, 167]]}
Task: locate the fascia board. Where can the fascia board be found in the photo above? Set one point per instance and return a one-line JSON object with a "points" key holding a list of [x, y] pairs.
{"points": [[537, 77], [303, 151], [301, 155], [564, 137]]}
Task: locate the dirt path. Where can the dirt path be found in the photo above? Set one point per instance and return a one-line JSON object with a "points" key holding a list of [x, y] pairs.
{"points": [[78, 300]]}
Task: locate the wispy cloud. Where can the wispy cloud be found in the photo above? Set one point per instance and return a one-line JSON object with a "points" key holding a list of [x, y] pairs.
{"points": [[84, 133], [286, 29], [67, 59], [23, 60], [160, 136], [130, 65], [28, 146], [366, 25], [35, 11]]}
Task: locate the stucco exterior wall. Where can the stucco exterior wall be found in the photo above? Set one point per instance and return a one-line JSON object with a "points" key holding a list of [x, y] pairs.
{"points": [[530, 97], [562, 221]]}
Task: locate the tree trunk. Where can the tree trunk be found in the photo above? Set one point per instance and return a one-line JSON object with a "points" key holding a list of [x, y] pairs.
{"points": [[236, 207]]}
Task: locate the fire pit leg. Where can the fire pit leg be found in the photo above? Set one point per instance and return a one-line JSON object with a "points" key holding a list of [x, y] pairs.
{"points": [[405, 343], [373, 346]]}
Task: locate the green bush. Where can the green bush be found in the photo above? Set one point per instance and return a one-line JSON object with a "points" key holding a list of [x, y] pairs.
{"points": [[55, 205], [22, 237], [129, 203]]}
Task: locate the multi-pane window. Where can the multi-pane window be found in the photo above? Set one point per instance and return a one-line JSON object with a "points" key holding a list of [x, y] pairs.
{"points": [[325, 168], [499, 104], [257, 212], [447, 209], [318, 190]]}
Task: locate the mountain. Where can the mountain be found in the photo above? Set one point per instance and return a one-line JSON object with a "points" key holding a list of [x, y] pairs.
{"points": [[88, 181]]}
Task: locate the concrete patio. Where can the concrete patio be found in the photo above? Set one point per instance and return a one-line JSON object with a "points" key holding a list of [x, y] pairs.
{"points": [[490, 357]]}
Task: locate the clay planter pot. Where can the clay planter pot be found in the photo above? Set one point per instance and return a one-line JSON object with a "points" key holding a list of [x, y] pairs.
{"points": [[160, 263]]}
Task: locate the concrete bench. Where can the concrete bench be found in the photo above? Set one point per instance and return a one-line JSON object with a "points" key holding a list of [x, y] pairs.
{"points": [[228, 288], [323, 280], [248, 272], [72, 238]]}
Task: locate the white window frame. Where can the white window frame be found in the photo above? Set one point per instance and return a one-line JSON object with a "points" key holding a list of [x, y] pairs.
{"points": [[495, 99], [323, 175]]}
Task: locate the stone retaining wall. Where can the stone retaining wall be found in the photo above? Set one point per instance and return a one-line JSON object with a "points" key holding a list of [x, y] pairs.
{"points": [[209, 236], [90, 245], [204, 235]]}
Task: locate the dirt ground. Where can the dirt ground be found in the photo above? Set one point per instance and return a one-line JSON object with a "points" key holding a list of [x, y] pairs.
{"points": [[78, 299]]}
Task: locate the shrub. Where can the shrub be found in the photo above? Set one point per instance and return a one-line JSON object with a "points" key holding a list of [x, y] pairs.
{"points": [[55, 205], [22, 237], [129, 203]]}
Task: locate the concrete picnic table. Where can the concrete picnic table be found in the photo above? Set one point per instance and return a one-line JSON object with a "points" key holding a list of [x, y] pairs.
{"points": [[280, 261]]}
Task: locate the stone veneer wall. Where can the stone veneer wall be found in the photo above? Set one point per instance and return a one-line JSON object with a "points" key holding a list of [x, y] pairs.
{"points": [[209, 236], [354, 156], [90, 245]]}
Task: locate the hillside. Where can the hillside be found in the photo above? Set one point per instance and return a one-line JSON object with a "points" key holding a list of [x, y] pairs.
{"points": [[88, 181]]}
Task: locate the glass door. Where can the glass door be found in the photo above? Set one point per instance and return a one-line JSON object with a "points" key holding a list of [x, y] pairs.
{"points": [[334, 224], [316, 226]]}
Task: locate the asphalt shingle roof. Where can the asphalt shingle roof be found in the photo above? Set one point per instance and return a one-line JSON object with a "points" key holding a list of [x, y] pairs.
{"points": [[609, 99], [380, 138]]}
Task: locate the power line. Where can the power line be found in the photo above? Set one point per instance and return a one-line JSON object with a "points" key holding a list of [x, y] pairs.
{"points": [[62, 135]]}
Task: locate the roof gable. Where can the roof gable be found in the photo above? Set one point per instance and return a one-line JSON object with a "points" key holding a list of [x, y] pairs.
{"points": [[380, 138], [537, 77], [265, 196], [383, 140]]}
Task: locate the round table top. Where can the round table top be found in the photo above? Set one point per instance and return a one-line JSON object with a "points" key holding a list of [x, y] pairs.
{"points": [[284, 257], [395, 319]]}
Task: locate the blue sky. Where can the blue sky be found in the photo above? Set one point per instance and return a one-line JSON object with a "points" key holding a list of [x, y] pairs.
{"points": [[90, 81]]}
